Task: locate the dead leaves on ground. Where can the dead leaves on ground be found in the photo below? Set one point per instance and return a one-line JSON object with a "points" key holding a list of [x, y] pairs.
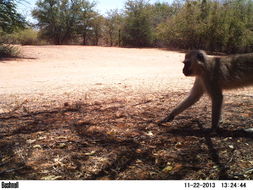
{"points": [[119, 139]]}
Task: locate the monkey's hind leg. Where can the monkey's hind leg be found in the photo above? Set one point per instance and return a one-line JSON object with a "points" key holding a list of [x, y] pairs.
{"points": [[217, 102]]}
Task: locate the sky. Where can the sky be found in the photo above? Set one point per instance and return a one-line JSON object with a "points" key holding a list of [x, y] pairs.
{"points": [[26, 6]]}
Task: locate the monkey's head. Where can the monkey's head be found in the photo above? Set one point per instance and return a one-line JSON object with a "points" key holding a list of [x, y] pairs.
{"points": [[194, 62]]}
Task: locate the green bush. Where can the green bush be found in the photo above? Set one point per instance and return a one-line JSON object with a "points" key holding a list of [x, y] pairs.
{"points": [[23, 37], [210, 25], [28, 37]]}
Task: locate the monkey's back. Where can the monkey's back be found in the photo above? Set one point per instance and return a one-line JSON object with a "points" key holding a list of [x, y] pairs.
{"points": [[236, 71]]}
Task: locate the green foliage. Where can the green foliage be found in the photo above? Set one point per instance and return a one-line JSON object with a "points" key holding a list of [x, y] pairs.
{"points": [[60, 20], [97, 28], [159, 13], [113, 28], [28, 37], [136, 25], [185, 29], [215, 25], [54, 20], [10, 19], [212, 25], [137, 28], [84, 17]]}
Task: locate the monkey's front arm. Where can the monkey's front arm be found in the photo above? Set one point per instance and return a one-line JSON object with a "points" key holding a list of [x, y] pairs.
{"points": [[196, 92]]}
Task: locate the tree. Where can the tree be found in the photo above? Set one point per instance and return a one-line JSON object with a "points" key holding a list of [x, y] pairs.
{"points": [[159, 13], [137, 30], [238, 14], [85, 14], [224, 26], [113, 27], [60, 20], [97, 24], [10, 19], [55, 19]]}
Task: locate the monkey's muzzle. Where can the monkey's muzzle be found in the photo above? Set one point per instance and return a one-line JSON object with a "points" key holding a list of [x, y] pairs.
{"points": [[187, 72]]}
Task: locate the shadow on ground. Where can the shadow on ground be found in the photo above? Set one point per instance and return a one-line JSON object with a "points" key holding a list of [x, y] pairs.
{"points": [[120, 140]]}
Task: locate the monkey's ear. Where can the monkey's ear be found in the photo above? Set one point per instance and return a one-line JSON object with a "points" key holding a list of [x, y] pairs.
{"points": [[201, 56]]}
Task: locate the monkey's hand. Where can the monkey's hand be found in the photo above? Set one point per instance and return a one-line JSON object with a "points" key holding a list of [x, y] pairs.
{"points": [[167, 119]]}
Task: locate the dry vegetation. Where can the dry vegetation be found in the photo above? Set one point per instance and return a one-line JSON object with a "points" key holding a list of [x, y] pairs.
{"points": [[60, 120]]}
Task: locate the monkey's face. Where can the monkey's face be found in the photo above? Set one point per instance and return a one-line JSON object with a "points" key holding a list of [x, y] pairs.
{"points": [[193, 63], [187, 70]]}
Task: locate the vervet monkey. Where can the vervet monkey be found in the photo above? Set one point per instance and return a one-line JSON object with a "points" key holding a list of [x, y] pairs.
{"points": [[212, 76]]}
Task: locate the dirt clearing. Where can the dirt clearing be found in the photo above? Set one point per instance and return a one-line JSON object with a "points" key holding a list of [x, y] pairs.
{"points": [[74, 112]]}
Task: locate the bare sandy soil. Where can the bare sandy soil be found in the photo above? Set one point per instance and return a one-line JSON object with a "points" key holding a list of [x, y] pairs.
{"points": [[74, 72], [74, 112]]}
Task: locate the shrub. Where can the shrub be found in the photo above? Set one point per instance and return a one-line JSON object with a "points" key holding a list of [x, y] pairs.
{"points": [[9, 51], [28, 37]]}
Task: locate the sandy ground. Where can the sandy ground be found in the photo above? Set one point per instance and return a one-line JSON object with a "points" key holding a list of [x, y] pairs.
{"points": [[74, 112], [54, 69], [54, 73]]}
